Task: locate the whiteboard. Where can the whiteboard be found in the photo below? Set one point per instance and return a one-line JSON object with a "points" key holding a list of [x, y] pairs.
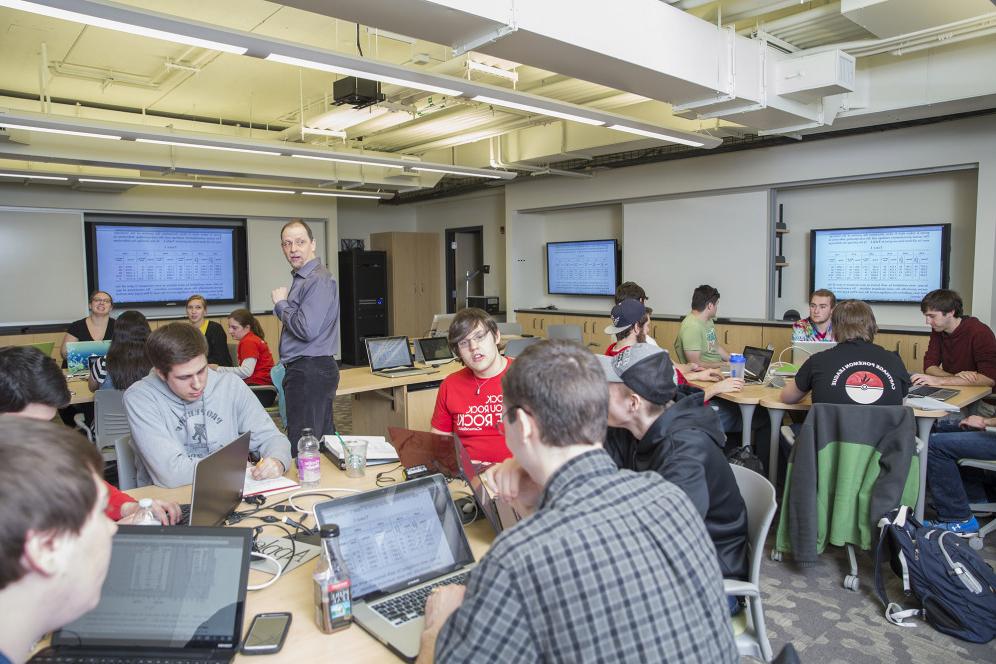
{"points": [[671, 246], [41, 267]]}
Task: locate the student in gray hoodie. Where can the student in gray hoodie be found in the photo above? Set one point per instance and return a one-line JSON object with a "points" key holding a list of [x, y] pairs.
{"points": [[183, 411]]}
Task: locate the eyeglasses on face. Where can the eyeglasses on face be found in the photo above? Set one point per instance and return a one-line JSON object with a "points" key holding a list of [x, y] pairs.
{"points": [[474, 340]]}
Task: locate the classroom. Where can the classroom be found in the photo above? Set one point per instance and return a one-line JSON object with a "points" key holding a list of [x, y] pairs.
{"points": [[528, 158]]}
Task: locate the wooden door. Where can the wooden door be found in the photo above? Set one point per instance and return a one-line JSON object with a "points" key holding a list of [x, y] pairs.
{"points": [[429, 281], [910, 347], [531, 323]]}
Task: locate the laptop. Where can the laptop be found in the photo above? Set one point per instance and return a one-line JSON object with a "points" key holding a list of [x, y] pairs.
{"points": [[500, 515], [758, 361], [433, 351], [440, 325], [422, 448], [400, 542], [939, 393], [803, 350], [391, 357], [79, 352], [171, 594], [218, 482]]}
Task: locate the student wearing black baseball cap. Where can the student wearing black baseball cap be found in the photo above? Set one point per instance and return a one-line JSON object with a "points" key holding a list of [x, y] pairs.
{"points": [[655, 426]]}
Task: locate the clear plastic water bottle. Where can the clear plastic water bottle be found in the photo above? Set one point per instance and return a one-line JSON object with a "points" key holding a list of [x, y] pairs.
{"points": [[333, 591], [309, 460], [145, 516], [738, 366]]}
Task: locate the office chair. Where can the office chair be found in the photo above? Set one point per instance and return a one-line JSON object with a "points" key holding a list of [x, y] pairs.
{"points": [[233, 352], [980, 540], [515, 347], [277, 376], [568, 332], [127, 474], [110, 421], [759, 497]]}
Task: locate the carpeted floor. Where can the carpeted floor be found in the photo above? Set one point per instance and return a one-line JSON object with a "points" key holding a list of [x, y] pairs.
{"points": [[831, 625], [826, 623]]}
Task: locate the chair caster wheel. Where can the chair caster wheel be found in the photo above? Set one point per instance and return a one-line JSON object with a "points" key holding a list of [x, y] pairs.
{"points": [[851, 582], [976, 543]]}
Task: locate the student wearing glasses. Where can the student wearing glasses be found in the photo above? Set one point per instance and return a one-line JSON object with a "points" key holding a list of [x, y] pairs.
{"points": [[98, 326], [469, 402]]}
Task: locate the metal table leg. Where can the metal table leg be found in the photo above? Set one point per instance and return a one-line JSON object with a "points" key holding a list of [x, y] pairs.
{"points": [[775, 416], [746, 417]]}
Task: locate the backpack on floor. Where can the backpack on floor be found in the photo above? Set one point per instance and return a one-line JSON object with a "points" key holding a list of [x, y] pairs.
{"points": [[956, 589], [744, 456]]}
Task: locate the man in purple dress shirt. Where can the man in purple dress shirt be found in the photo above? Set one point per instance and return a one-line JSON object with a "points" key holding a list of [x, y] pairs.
{"points": [[309, 311]]}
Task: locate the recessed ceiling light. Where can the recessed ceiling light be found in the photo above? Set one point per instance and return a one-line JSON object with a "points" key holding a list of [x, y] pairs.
{"points": [[207, 147], [47, 130], [537, 109], [130, 28], [347, 71]]}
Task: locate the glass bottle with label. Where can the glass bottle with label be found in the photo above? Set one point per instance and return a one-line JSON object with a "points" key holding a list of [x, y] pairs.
{"points": [[333, 592]]}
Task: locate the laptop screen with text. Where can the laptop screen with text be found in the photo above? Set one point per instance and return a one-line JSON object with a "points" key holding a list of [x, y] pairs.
{"points": [[398, 536], [168, 588]]}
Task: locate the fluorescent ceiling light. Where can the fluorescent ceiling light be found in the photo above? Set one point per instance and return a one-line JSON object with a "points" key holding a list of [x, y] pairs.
{"points": [[474, 65], [455, 172], [136, 182], [130, 28], [85, 134], [206, 147], [536, 109], [311, 64], [33, 177], [337, 194], [261, 191], [335, 133], [658, 135], [346, 160]]}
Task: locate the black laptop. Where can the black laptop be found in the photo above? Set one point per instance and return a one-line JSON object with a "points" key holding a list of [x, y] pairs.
{"points": [[218, 482], [758, 360], [171, 595]]}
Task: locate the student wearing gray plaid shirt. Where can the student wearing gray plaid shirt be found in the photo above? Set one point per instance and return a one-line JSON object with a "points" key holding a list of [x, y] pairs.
{"points": [[613, 566]]}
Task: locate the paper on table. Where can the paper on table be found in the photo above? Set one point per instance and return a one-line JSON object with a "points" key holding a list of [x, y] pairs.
{"points": [[254, 487], [926, 403], [283, 550], [378, 449]]}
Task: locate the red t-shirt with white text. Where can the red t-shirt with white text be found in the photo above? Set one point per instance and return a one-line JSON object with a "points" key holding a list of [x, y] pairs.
{"points": [[471, 408]]}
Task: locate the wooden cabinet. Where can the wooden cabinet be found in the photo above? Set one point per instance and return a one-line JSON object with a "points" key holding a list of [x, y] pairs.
{"points": [[414, 287], [734, 337], [536, 324], [910, 347], [779, 337], [664, 333]]}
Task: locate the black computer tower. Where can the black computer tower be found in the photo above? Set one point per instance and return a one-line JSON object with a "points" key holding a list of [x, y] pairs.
{"points": [[363, 301]]}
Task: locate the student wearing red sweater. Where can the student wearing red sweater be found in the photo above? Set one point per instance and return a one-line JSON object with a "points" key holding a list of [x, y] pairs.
{"points": [[255, 358], [962, 349], [469, 402], [34, 387]]}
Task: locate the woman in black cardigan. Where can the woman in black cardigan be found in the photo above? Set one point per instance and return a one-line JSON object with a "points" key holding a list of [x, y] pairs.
{"points": [[214, 333]]}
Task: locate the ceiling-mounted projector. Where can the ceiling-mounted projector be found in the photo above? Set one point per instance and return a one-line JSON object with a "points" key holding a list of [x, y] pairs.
{"points": [[357, 92]]}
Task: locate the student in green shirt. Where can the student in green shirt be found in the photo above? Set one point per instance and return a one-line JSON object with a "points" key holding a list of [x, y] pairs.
{"points": [[696, 342]]}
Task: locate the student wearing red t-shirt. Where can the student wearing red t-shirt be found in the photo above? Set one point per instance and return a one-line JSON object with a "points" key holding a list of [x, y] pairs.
{"points": [[255, 359], [469, 402]]}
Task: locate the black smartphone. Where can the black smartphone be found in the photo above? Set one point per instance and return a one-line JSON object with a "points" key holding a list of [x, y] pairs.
{"points": [[266, 633]]}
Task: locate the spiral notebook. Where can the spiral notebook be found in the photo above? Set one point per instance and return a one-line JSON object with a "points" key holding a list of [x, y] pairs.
{"points": [[379, 451]]}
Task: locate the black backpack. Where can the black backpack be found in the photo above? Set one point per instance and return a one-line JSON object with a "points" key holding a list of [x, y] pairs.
{"points": [[744, 456], [956, 589]]}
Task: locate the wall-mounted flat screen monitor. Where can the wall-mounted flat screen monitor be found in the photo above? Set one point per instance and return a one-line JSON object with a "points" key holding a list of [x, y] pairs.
{"points": [[586, 267], [897, 264], [150, 263]]}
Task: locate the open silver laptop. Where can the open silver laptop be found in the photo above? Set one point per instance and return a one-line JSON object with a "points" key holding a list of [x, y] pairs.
{"points": [[500, 515], [170, 594], [218, 482], [440, 325], [803, 350], [433, 351], [400, 542], [391, 357]]}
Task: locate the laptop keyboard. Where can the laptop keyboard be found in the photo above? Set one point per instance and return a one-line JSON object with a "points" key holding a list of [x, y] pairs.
{"points": [[402, 608], [53, 658], [184, 519]]}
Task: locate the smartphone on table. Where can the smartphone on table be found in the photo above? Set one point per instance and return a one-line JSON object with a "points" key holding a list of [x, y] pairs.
{"points": [[266, 633]]}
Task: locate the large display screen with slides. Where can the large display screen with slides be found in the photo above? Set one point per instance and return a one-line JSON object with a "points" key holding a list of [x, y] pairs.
{"points": [[881, 263], [164, 264], [588, 267]]}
